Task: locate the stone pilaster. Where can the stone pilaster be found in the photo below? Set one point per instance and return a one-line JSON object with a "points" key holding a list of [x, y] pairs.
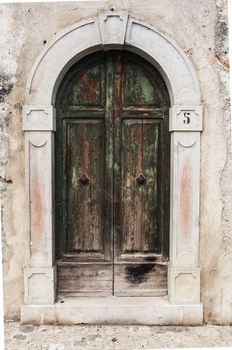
{"points": [[39, 273], [184, 273]]}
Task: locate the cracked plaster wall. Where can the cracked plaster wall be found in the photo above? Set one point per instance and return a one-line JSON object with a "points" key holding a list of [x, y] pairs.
{"points": [[201, 29]]}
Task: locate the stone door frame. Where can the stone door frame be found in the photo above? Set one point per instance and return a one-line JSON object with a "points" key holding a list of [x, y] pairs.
{"points": [[113, 30]]}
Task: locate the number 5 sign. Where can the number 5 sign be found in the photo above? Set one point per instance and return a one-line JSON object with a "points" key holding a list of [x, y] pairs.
{"points": [[185, 118]]}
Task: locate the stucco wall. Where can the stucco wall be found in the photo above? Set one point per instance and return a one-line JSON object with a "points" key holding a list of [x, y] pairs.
{"points": [[200, 28]]}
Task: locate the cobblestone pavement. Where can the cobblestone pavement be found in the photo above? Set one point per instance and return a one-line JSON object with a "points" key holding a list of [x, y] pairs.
{"points": [[26, 337]]}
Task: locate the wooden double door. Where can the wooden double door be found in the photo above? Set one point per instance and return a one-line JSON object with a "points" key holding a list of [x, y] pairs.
{"points": [[112, 177]]}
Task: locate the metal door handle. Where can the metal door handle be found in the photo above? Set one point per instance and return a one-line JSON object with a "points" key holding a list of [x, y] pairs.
{"points": [[141, 180], [84, 180]]}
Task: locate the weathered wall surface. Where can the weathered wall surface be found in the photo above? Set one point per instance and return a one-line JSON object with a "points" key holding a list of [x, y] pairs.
{"points": [[200, 28]]}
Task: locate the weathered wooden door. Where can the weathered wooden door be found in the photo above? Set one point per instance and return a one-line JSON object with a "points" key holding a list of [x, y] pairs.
{"points": [[112, 177]]}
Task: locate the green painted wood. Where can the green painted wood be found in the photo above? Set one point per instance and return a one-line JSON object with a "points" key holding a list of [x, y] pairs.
{"points": [[108, 180], [140, 155], [112, 175], [117, 108], [85, 156], [137, 88], [86, 89]]}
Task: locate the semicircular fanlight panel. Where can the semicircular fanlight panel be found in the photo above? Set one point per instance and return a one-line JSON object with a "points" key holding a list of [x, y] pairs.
{"points": [[86, 88], [139, 89]]}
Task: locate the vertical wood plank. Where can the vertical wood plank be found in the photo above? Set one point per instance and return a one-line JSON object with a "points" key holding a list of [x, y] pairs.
{"points": [[109, 141], [85, 157], [118, 233], [140, 156]]}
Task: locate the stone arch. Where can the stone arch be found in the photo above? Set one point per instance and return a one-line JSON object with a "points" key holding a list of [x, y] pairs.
{"points": [[113, 30], [117, 30]]}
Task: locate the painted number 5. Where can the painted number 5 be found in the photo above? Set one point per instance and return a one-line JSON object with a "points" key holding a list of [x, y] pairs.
{"points": [[186, 118]]}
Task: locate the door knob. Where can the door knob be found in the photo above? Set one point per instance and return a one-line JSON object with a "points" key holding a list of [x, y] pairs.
{"points": [[84, 180], [141, 180]]}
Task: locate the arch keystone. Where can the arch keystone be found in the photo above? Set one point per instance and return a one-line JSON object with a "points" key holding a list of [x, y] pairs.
{"points": [[113, 27]]}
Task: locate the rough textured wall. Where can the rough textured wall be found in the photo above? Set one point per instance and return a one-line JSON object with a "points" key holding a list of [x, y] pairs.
{"points": [[216, 171], [200, 28]]}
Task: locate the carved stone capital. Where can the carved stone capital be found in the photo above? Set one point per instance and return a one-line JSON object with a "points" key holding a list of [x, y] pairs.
{"points": [[38, 118], [184, 285], [185, 118]]}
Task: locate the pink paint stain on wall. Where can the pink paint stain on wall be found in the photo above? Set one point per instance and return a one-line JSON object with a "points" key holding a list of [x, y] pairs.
{"points": [[37, 209], [186, 199]]}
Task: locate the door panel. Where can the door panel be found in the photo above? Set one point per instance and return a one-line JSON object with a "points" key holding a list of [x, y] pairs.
{"points": [[112, 177], [140, 153], [84, 171], [85, 279], [138, 89], [139, 267], [147, 279], [87, 89]]}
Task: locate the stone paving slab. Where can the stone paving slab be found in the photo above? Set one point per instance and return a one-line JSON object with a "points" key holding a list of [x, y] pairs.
{"points": [[26, 337]]}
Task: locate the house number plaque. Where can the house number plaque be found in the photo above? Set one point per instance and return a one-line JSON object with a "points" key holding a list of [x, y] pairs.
{"points": [[185, 118]]}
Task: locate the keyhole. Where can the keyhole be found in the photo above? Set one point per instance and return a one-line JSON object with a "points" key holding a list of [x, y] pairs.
{"points": [[84, 180], [141, 180]]}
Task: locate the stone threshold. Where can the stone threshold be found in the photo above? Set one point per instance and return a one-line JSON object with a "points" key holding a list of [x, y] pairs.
{"points": [[114, 311]]}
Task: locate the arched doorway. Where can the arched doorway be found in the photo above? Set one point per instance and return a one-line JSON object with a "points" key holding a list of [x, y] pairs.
{"points": [[112, 177], [185, 124]]}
